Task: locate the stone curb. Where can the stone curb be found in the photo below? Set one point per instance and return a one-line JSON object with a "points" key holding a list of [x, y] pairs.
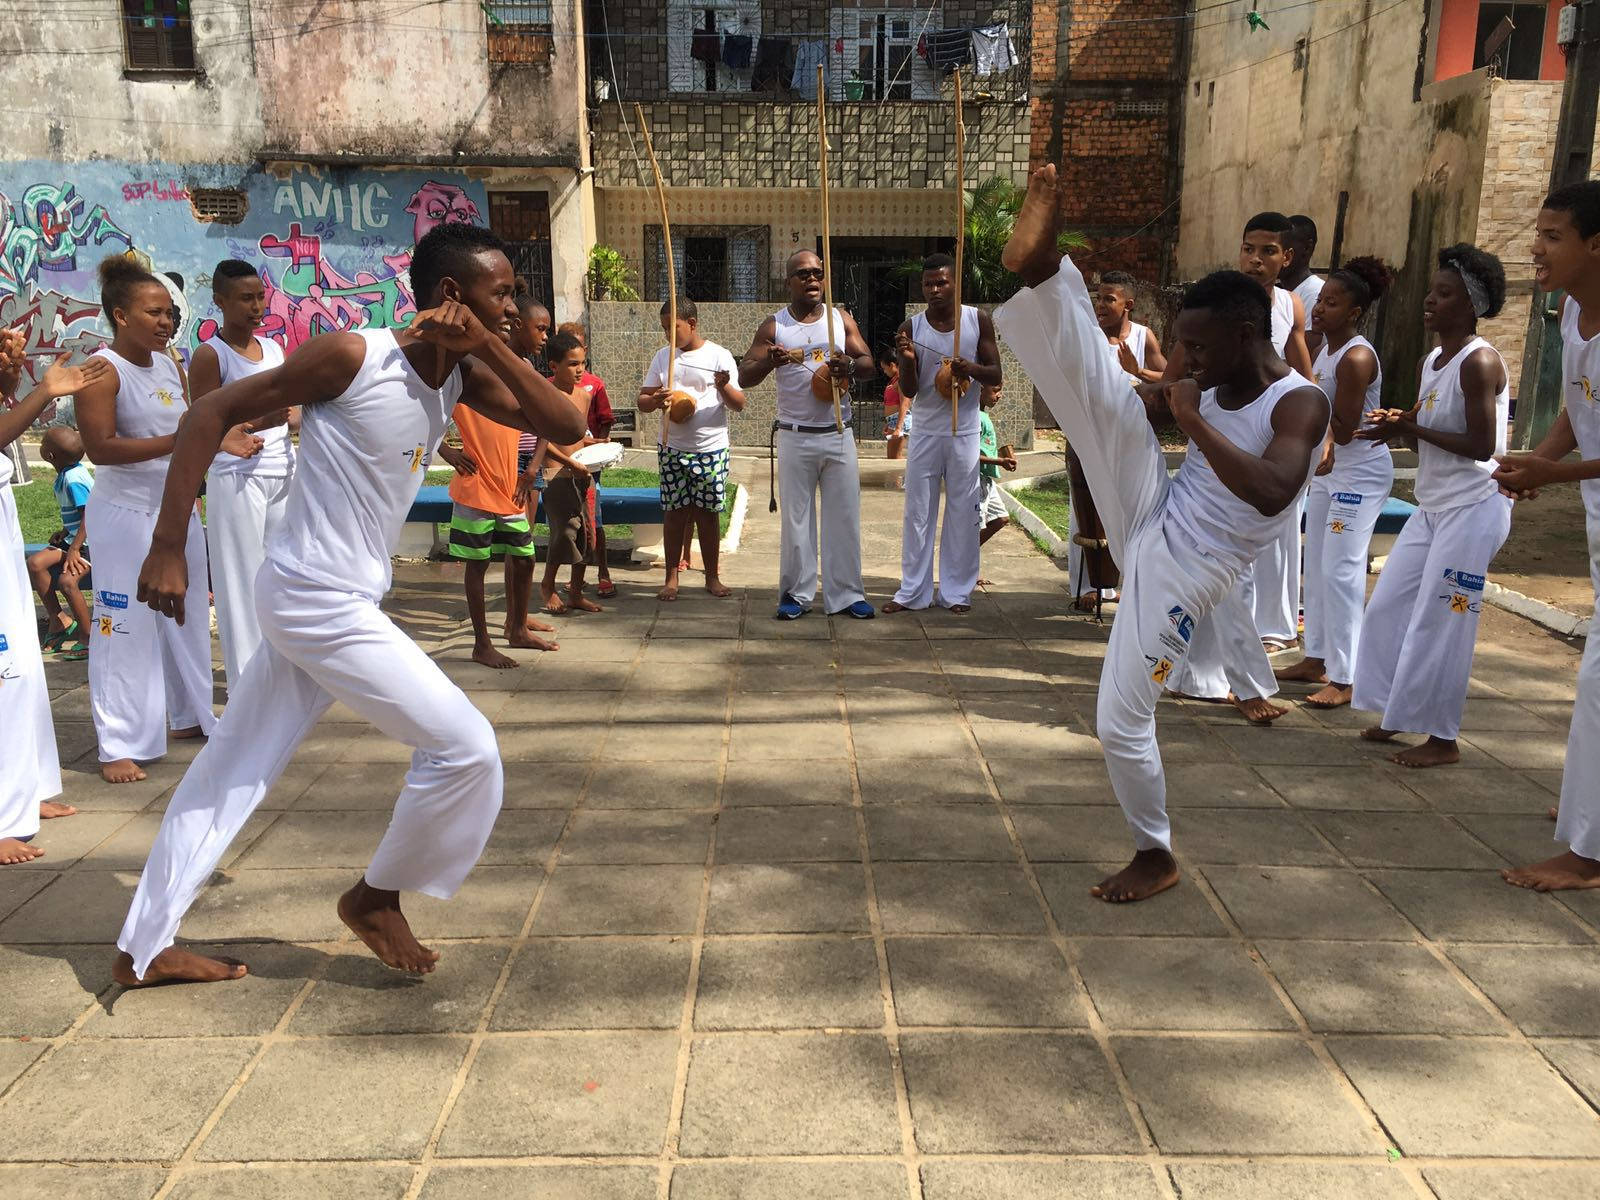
{"points": [[741, 506], [1055, 545], [1548, 616]]}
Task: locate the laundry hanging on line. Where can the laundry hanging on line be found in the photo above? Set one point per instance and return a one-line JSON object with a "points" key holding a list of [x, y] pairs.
{"points": [[736, 50], [808, 57], [992, 49], [946, 49]]}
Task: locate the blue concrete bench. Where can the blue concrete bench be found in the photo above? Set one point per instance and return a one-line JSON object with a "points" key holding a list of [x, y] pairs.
{"points": [[618, 506], [86, 584]]}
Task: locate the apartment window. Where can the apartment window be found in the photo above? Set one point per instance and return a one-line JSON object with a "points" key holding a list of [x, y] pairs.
{"points": [[697, 51], [1519, 55], [522, 221], [875, 55], [519, 33], [158, 35], [715, 262]]}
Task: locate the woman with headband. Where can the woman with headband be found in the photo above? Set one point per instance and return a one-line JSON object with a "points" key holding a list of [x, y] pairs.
{"points": [[1422, 622]]}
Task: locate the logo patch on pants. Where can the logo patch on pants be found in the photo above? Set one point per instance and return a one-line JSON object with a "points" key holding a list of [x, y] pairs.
{"points": [[1162, 670], [1464, 591]]}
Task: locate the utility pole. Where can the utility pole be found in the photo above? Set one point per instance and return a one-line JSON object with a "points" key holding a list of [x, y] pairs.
{"points": [[1539, 389]]}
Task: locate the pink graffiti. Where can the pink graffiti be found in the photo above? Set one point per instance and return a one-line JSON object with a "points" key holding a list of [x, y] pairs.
{"points": [[302, 248], [438, 204], [142, 189]]}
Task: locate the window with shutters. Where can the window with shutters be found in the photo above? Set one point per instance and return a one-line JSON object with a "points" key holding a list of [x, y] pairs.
{"points": [[714, 262], [698, 49], [158, 35], [519, 33], [873, 52]]}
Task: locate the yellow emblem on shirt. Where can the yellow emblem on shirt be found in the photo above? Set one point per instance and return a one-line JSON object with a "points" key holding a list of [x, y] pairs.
{"points": [[1458, 602], [1163, 669], [1588, 388], [1431, 400], [166, 397], [817, 355]]}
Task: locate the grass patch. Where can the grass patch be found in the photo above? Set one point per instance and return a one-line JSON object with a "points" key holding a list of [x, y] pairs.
{"points": [[36, 506], [1051, 501]]}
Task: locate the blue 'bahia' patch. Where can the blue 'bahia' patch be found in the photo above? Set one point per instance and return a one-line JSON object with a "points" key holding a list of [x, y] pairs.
{"points": [[1464, 580], [1347, 497]]}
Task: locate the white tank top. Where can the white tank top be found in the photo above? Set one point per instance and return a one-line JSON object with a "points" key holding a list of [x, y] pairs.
{"points": [[932, 347], [277, 452], [1446, 480], [1308, 289], [796, 404], [1355, 456], [149, 404], [1138, 337], [362, 458], [1282, 318], [1221, 524], [1580, 375]]}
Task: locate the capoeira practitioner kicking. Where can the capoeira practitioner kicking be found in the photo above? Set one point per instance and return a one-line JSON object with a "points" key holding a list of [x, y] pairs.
{"points": [[1255, 430], [245, 497], [813, 456], [31, 777], [1421, 624], [375, 404], [924, 346], [1566, 257], [1351, 485], [145, 672]]}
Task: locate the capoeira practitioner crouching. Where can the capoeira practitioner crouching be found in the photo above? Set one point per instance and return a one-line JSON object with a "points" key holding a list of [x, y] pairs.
{"points": [[245, 497], [1566, 257], [375, 405], [31, 776], [813, 456], [1421, 624], [1256, 428], [937, 456]]}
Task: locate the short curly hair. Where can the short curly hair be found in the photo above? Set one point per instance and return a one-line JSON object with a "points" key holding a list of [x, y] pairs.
{"points": [[1481, 265]]}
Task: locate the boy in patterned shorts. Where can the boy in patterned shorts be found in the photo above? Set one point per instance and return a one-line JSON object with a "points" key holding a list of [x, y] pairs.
{"points": [[693, 449]]}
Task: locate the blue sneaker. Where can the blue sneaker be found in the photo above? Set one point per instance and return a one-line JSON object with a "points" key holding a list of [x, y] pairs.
{"points": [[790, 609], [860, 610]]}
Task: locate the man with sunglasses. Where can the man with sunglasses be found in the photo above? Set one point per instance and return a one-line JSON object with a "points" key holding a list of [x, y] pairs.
{"points": [[813, 456]]}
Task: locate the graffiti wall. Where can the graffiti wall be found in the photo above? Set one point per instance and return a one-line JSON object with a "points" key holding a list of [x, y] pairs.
{"points": [[333, 247]]}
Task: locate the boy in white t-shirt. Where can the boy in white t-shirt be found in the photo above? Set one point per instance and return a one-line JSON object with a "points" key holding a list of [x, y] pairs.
{"points": [[693, 449]]}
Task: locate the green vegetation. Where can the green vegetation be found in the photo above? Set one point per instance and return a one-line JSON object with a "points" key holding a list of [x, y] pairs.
{"points": [[36, 506], [610, 277], [1051, 501]]}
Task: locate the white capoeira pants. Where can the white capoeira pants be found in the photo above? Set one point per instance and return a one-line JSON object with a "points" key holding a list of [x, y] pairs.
{"points": [[1421, 625], [1168, 583], [146, 672], [29, 769], [1340, 517], [322, 645], [242, 510], [813, 465], [952, 460], [1226, 655], [1578, 822], [1273, 586]]}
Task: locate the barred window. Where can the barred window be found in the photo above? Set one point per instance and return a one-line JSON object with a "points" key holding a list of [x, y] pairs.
{"points": [[519, 31], [158, 35], [225, 206]]}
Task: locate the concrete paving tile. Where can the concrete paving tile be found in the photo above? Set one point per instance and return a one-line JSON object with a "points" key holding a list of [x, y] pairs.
{"points": [[67, 840], [546, 1183], [1178, 983], [549, 784], [303, 1183], [1401, 839], [1523, 749], [1002, 1094], [1469, 1099], [1002, 739], [786, 1180], [692, 655], [956, 898], [1516, 837], [1306, 902], [635, 899], [351, 786], [49, 987], [1546, 990], [358, 994], [946, 1180], [637, 837], [779, 652], [566, 1094], [797, 740], [788, 898], [825, 781], [1280, 1181], [114, 1101], [783, 708], [663, 687], [1298, 747], [372, 746], [691, 784], [1579, 1064], [15, 1058], [37, 1181], [546, 744], [947, 832], [253, 1007], [653, 743], [1195, 742], [1248, 836], [1511, 1182], [80, 906], [129, 846], [602, 675], [796, 834], [868, 701], [523, 837], [1183, 910], [1476, 906], [932, 736], [789, 983], [1217, 785], [1365, 788], [338, 1098], [1049, 780], [493, 902], [1041, 704], [922, 781], [767, 677], [1071, 833], [595, 983], [1375, 987], [1241, 1096], [1483, 714], [982, 981], [83, 788], [752, 1093], [18, 887]]}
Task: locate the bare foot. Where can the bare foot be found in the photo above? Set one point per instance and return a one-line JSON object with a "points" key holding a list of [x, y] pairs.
{"points": [[1258, 711], [1335, 695], [375, 918], [1563, 873], [13, 851], [554, 606], [1435, 752], [1307, 670], [580, 602], [531, 641], [490, 657], [1378, 734], [1150, 873], [894, 606], [177, 965], [669, 590], [51, 809], [1553, 813], [537, 626], [184, 735], [124, 770], [717, 588], [1031, 250]]}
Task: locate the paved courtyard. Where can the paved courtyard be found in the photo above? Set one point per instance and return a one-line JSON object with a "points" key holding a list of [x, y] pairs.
{"points": [[799, 910]]}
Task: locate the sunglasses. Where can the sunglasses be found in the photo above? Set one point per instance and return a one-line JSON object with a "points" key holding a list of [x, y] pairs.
{"points": [[808, 273]]}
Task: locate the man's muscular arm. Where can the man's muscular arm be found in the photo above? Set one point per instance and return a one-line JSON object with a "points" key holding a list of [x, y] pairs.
{"points": [[1274, 481], [759, 361]]}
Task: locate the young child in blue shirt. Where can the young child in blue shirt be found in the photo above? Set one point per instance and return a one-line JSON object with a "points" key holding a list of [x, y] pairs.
{"points": [[62, 564]]}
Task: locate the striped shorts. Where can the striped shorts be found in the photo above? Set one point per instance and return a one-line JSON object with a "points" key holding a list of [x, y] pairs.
{"points": [[479, 536]]}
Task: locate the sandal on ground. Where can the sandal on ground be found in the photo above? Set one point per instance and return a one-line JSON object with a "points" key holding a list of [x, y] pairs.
{"points": [[606, 589], [76, 652], [52, 642]]}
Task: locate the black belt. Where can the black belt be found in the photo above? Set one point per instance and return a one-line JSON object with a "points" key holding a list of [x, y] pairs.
{"points": [[786, 427]]}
